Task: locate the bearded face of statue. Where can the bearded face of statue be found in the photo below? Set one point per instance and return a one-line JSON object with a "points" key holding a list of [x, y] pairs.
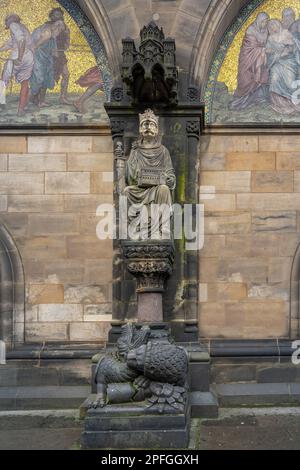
{"points": [[148, 129]]}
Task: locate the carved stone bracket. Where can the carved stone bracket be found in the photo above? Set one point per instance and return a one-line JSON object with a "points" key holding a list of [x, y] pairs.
{"points": [[117, 128], [151, 263], [193, 94], [193, 129]]}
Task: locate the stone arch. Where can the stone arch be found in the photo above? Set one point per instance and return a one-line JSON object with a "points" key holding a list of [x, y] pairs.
{"points": [[294, 320], [12, 291], [218, 18], [99, 19]]}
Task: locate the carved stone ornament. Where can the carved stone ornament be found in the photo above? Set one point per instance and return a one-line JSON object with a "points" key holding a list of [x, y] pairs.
{"points": [[117, 94], [146, 366], [193, 128], [193, 94], [117, 127], [150, 73], [151, 263]]}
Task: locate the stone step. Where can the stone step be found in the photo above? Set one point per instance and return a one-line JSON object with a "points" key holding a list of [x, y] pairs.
{"points": [[45, 373], [257, 394], [204, 405], [39, 419], [42, 398], [254, 370]]}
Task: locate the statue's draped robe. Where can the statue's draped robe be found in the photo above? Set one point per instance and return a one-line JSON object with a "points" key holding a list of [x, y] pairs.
{"points": [[145, 158], [140, 158]]}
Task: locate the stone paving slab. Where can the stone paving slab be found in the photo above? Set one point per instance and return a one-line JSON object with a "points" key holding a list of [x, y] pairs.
{"points": [[249, 429]]}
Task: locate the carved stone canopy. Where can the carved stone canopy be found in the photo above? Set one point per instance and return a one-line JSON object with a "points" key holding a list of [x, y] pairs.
{"points": [[150, 74]]}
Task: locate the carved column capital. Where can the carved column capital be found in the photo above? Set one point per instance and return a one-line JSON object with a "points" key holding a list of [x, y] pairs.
{"points": [[151, 263]]}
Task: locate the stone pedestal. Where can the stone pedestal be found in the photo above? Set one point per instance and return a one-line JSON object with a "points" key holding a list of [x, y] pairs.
{"points": [[151, 263], [128, 426]]}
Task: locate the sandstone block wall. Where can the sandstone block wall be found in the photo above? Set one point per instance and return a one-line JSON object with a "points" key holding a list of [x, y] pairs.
{"points": [[251, 235], [50, 188]]}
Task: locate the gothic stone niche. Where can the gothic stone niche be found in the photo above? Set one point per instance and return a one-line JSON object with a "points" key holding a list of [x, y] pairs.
{"points": [[150, 74], [12, 290]]}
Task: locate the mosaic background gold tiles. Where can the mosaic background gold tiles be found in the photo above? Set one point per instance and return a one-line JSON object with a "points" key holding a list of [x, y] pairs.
{"points": [[85, 53], [282, 71]]}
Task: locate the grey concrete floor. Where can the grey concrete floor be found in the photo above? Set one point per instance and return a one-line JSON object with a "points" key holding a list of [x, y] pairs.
{"points": [[234, 429]]}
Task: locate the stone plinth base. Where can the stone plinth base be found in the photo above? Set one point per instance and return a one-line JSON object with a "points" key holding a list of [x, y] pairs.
{"points": [[128, 426]]}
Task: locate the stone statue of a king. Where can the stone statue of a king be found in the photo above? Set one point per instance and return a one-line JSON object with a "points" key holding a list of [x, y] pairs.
{"points": [[150, 180]]}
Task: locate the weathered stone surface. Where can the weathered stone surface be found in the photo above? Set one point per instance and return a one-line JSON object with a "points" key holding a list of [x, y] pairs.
{"points": [[45, 294], [279, 143], [88, 247], [229, 143], [277, 291], [107, 317], [186, 27], [89, 331], [220, 202], [125, 22], [269, 202], [37, 332], [3, 162], [21, 183], [256, 319], [35, 204], [34, 270], [194, 7], [102, 144], [227, 222], [3, 203], [13, 144], [277, 375], [243, 270], [86, 203], [60, 313], [111, 5], [99, 186], [214, 245], [60, 224], [90, 162], [279, 269], [274, 221], [212, 161], [17, 224], [98, 271], [31, 313], [88, 223], [262, 244], [211, 319], [86, 294], [98, 310], [226, 292], [209, 269], [43, 248], [63, 271], [254, 161], [288, 160], [297, 182], [229, 181], [67, 183], [58, 144], [226, 373], [37, 162], [272, 181]]}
